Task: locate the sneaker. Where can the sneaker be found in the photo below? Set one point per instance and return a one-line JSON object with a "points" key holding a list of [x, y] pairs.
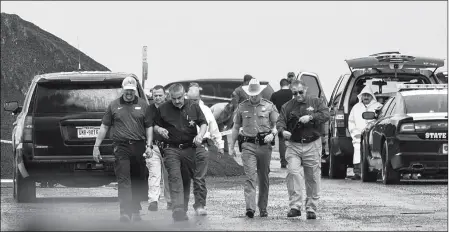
{"points": [[125, 218], [200, 211], [250, 213], [294, 213], [136, 217], [311, 215], [152, 206], [263, 213], [350, 172], [169, 206]]}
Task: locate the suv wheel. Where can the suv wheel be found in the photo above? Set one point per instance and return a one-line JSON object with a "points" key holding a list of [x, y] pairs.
{"points": [[337, 169], [24, 188], [366, 175], [389, 175]]}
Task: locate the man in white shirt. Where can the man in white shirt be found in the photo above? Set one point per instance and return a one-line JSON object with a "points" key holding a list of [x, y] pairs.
{"points": [[157, 172], [212, 135]]}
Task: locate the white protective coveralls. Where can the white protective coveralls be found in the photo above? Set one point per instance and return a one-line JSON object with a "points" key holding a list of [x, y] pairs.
{"points": [[356, 123]]}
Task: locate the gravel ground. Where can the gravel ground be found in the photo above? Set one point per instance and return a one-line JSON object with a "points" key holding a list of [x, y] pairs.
{"points": [[345, 205]]}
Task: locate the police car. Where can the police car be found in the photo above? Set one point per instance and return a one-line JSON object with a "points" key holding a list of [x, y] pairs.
{"points": [[408, 135]]}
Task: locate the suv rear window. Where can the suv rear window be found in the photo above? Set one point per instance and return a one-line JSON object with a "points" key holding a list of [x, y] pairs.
{"points": [[431, 103], [75, 97]]}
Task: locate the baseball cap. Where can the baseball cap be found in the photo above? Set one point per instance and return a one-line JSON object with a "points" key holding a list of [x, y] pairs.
{"points": [[129, 83]]}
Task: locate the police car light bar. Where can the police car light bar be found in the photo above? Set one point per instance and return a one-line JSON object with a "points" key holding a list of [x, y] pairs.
{"points": [[421, 86]]}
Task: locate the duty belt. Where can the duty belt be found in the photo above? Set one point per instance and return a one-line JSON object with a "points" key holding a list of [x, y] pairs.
{"points": [[254, 140], [179, 145]]}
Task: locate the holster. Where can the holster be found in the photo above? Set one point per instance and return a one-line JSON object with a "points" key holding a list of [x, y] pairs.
{"points": [[261, 137], [240, 141], [160, 145]]}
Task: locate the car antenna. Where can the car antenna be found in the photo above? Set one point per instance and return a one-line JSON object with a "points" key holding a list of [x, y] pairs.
{"points": [[79, 54]]}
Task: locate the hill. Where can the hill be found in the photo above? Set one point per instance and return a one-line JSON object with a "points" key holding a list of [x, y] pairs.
{"points": [[26, 51]]}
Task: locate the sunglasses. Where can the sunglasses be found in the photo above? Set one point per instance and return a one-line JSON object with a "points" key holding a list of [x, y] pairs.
{"points": [[296, 93]]}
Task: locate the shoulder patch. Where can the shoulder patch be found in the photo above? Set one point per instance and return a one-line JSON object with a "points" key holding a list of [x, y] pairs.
{"points": [[266, 100]]}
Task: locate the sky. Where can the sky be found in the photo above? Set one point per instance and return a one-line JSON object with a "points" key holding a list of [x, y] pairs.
{"points": [[228, 39]]}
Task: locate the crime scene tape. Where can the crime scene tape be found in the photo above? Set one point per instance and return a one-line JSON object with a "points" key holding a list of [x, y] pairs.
{"points": [[228, 132]]}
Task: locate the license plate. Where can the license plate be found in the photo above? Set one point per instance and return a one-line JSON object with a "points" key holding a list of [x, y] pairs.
{"points": [[444, 148], [88, 132]]}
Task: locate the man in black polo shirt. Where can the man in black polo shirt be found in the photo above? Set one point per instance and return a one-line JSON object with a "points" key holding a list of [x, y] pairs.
{"points": [[177, 121], [279, 98], [131, 124]]}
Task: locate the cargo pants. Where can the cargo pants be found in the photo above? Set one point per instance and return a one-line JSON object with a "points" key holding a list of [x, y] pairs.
{"points": [[157, 173], [304, 165]]}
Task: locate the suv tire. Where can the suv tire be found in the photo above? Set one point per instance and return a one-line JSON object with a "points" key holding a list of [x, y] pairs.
{"points": [[337, 169]]}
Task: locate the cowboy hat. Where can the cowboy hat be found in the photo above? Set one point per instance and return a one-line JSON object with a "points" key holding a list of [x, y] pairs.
{"points": [[253, 88]]}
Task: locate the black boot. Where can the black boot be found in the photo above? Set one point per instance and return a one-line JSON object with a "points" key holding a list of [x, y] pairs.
{"points": [[294, 213]]}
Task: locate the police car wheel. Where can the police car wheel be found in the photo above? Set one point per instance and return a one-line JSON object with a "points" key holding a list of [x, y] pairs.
{"points": [[389, 175], [366, 175]]}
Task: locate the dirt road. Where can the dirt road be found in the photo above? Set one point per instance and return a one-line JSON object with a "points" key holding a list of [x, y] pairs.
{"points": [[344, 205]]}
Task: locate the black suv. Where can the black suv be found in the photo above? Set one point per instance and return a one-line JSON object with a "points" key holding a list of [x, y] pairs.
{"points": [[382, 72], [217, 90], [54, 133]]}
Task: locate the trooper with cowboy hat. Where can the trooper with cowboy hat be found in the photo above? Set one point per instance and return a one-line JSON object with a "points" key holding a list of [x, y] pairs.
{"points": [[257, 117]]}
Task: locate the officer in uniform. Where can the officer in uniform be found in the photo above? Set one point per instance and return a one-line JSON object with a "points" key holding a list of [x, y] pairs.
{"points": [[132, 127], [176, 121], [300, 123], [258, 117]]}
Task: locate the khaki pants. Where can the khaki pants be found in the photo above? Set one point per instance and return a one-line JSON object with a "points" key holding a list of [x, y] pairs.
{"points": [[157, 174], [304, 164], [256, 163]]}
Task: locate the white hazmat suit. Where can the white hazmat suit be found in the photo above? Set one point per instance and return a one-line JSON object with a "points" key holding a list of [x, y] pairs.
{"points": [[356, 123]]}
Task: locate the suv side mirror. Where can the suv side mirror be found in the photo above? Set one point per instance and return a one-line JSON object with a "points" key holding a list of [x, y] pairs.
{"points": [[369, 115]]}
